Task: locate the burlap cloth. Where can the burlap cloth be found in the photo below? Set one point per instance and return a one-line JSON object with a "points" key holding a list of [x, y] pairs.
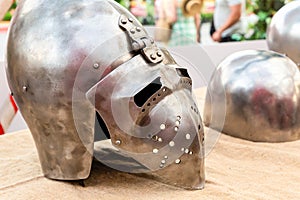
{"points": [[235, 169]]}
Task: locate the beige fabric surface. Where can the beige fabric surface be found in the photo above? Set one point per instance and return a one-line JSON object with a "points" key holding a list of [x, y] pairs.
{"points": [[235, 169]]}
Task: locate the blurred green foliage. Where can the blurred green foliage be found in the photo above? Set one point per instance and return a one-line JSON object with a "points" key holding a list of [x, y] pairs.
{"points": [[124, 3], [206, 17], [262, 11], [149, 19], [8, 15]]}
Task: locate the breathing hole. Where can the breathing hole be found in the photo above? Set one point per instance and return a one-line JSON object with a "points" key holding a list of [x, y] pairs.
{"points": [[141, 97]]}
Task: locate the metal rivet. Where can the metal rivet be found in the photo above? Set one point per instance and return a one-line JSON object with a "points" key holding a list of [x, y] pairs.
{"points": [[123, 21], [118, 142], [176, 128], [159, 54], [177, 161], [155, 151], [138, 29], [132, 31], [191, 152], [182, 149], [186, 151], [24, 88], [160, 139], [178, 118], [152, 56], [177, 123], [163, 162], [166, 157], [164, 90], [187, 136], [130, 19], [96, 65], [162, 127], [171, 143], [161, 165]]}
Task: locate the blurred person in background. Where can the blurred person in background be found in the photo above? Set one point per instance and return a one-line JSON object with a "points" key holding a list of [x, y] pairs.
{"points": [[227, 19], [185, 29]]}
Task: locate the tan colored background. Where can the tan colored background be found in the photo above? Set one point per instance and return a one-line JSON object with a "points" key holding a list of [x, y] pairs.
{"points": [[235, 169]]}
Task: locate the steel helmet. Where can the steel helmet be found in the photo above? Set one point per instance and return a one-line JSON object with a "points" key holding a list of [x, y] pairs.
{"points": [[262, 96], [68, 59]]}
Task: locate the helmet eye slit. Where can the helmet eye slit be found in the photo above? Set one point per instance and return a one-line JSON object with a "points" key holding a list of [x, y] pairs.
{"points": [[142, 96]]}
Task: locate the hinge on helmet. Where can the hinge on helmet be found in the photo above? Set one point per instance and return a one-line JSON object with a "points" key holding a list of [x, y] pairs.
{"points": [[140, 40]]}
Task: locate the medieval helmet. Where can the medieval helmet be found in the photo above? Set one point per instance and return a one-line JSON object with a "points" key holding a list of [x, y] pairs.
{"points": [[283, 31], [66, 59], [262, 96]]}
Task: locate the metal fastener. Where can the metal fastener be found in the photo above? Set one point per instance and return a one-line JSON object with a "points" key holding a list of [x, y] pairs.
{"points": [[123, 21], [24, 88], [159, 54], [118, 142], [96, 65], [132, 31], [138, 29], [152, 56]]}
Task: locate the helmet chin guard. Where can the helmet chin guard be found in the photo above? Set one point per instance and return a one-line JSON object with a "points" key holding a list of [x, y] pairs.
{"points": [[110, 65]]}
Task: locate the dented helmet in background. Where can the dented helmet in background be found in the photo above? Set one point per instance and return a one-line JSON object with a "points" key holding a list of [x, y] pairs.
{"points": [[262, 96], [68, 59]]}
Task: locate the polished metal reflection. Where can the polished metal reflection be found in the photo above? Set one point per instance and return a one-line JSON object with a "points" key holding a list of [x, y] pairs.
{"points": [[283, 33], [75, 57], [262, 96]]}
